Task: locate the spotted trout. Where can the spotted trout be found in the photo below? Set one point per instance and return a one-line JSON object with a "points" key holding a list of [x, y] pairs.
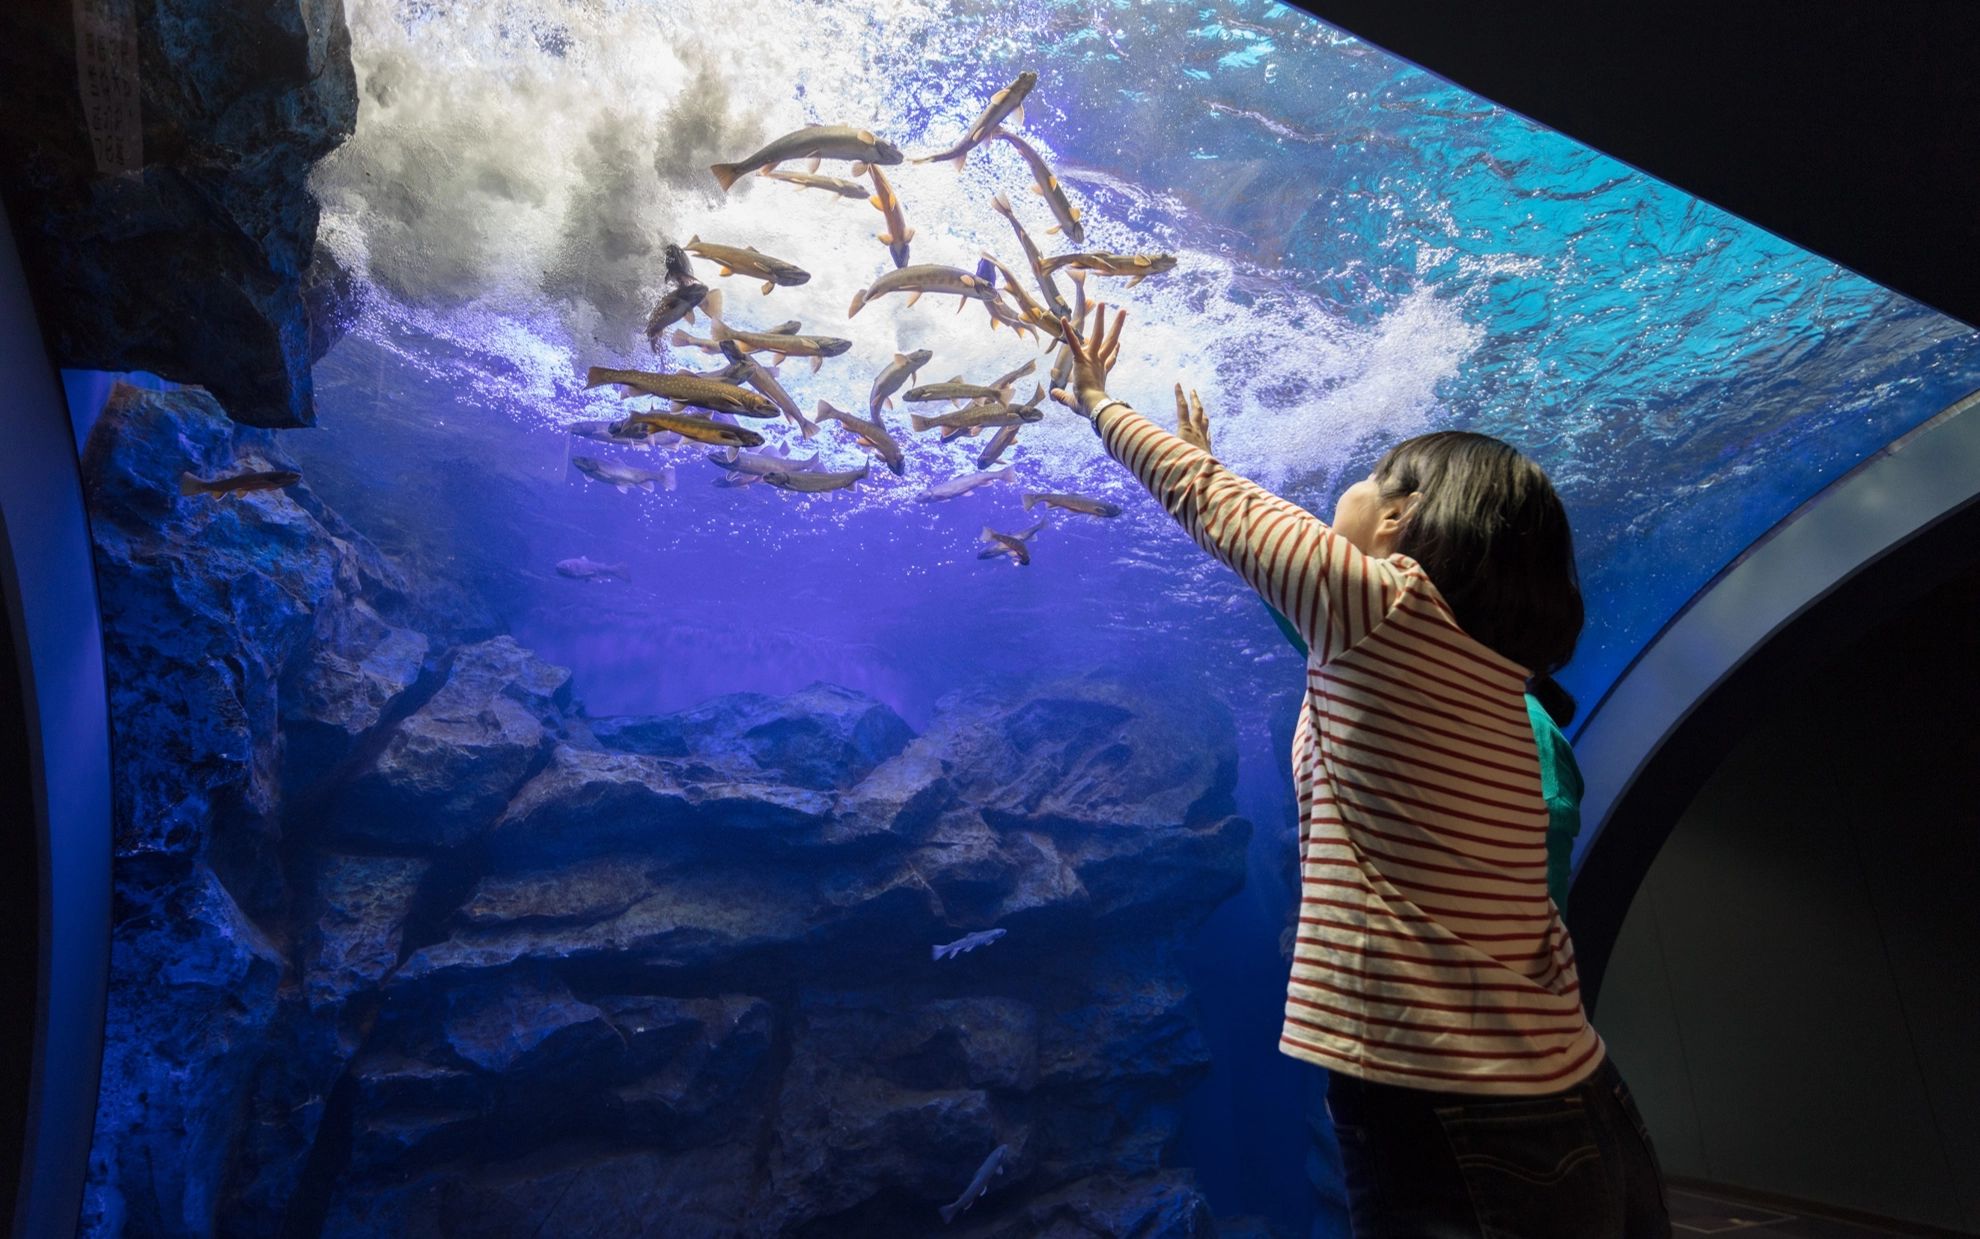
{"points": [[888, 381], [812, 144], [1137, 266], [928, 278], [1039, 271], [750, 261], [1008, 102], [871, 435], [1046, 186], [696, 390]]}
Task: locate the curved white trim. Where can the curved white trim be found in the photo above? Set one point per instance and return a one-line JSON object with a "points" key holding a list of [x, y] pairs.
{"points": [[1918, 480]]}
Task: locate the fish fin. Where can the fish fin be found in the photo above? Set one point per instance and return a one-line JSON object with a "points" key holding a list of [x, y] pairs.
{"points": [[914, 296], [989, 534], [725, 271], [1002, 204], [961, 302], [675, 406], [767, 286], [859, 299], [1017, 114], [961, 160], [907, 234], [645, 484], [884, 238], [878, 205], [900, 359], [859, 167], [811, 164], [623, 489], [725, 176], [690, 314], [1076, 212], [711, 305], [694, 240], [189, 485], [917, 421], [1136, 280], [667, 481], [816, 361], [681, 337]]}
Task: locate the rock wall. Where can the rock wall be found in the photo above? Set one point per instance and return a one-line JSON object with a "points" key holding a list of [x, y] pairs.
{"points": [[408, 944], [198, 264]]}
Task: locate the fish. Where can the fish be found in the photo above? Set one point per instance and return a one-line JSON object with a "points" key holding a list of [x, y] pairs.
{"points": [[968, 942], [813, 143], [678, 304], [1027, 309], [1008, 102], [239, 483], [745, 468], [696, 390], [871, 434], [897, 234], [680, 268], [625, 477], [1039, 271], [1100, 262], [1071, 503], [610, 431], [748, 260], [926, 278], [962, 485], [700, 429], [888, 381], [956, 389], [711, 345], [999, 443], [779, 344], [1046, 186], [975, 417], [1062, 368], [1010, 380], [586, 569], [753, 372], [971, 426], [1001, 313], [992, 1165], [1078, 276], [811, 180], [1012, 544], [813, 483]]}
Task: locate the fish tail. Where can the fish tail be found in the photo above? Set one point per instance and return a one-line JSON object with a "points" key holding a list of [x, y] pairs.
{"points": [[935, 952], [598, 376], [725, 174], [918, 421], [1002, 204], [190, 485], [711, 305], [859, 299], [948, 1213], [1030, 501]]}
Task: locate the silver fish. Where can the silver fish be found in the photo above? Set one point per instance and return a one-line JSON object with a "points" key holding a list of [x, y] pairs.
{"points": [[1100, 262], [1030, 311], [1007, 102], [898, 234], [872, 434], [1046, 186], [1039, 270], [625, 477], [889, 381], [956, 389], [1024, 415], [963, 485], [582, 568], [816, 482], [685, 389], [992, 1165], [711, 345], [925, 278], [745, 468], [1012, 544], [619, 432], [748, 260], [993, 451], [677, 305], [812, 144], [759, 376], [975, 417], [968, 942], [1071, 503], [811, 180]]}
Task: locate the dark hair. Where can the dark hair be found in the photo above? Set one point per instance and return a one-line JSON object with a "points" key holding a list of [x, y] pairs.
{"points": [[1493, 536], [1555, 700]]}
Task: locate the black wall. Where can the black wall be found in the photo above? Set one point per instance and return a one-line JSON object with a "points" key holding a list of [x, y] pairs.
{"points": [[1795, 992]]}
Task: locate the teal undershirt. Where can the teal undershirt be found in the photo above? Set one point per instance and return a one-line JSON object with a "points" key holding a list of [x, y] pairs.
{"points": [[1560, 782]]}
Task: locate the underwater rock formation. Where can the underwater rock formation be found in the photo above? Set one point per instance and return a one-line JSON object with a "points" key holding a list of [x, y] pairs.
{"points": [[408, 944], [189, 260]]}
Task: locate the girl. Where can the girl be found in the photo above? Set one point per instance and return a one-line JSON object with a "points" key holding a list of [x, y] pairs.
{"points": [[1432, 975]]}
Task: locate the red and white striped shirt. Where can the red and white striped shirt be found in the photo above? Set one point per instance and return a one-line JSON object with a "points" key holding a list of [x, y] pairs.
{"points": [[1429, 954]]}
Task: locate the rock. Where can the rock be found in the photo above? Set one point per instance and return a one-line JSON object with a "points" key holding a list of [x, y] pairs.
{"points": [[821, 737], [191, 267], [360, 671], [1154, 1206], [447, 770], [529, 1028], [354, 935], [703, 1064], [590, 891]]}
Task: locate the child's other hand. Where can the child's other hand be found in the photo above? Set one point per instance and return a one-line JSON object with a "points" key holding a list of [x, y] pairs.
{"points": [[1192, 424]]}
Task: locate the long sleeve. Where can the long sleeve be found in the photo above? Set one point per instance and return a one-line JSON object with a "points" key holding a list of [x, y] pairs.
{"points": [[1331, 592]]}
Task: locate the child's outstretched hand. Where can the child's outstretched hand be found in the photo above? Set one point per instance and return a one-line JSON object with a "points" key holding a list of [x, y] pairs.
{"points": [[1192, 424], [1092, 359]]}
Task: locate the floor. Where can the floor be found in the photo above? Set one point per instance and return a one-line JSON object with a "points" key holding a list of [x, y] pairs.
{"points": [[1697, 1212]]}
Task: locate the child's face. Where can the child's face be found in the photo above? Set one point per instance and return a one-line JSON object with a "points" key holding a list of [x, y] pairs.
{"points": [[1368, 521]]}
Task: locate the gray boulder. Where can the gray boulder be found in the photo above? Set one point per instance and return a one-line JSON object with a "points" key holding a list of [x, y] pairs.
{"points": [[821, 737]]}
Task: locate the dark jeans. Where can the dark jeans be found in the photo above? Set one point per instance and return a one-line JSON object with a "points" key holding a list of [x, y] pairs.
{"points": [[1576, 1164]]}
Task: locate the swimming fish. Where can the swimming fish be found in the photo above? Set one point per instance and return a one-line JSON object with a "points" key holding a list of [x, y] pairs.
{"points": [[687, 389], [811, 180], [609, 431], [872, 434], [926, 278], [238, 484], [625, 477], [1027, 309], [678, 304], [748, 260], [968, 942], [956, 389], [748, 370], [586, 569], [1021, 413], [700, 429], [818, 482], [962, 485], [897, 234], [992, 1165], [999, 443], [1071, 503], [745, 468], [889, 381], [1012, 544], [680, 268], [1062, 368], [1001, 313], [1046, 186], [778, 344], [1139, 266], [1009, 380], [711, 345], [1039, 271], [812, 144], [1007, 102], [975, 417]]}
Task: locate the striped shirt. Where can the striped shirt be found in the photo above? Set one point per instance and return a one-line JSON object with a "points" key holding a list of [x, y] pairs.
{"points": [[1429, 954]]}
